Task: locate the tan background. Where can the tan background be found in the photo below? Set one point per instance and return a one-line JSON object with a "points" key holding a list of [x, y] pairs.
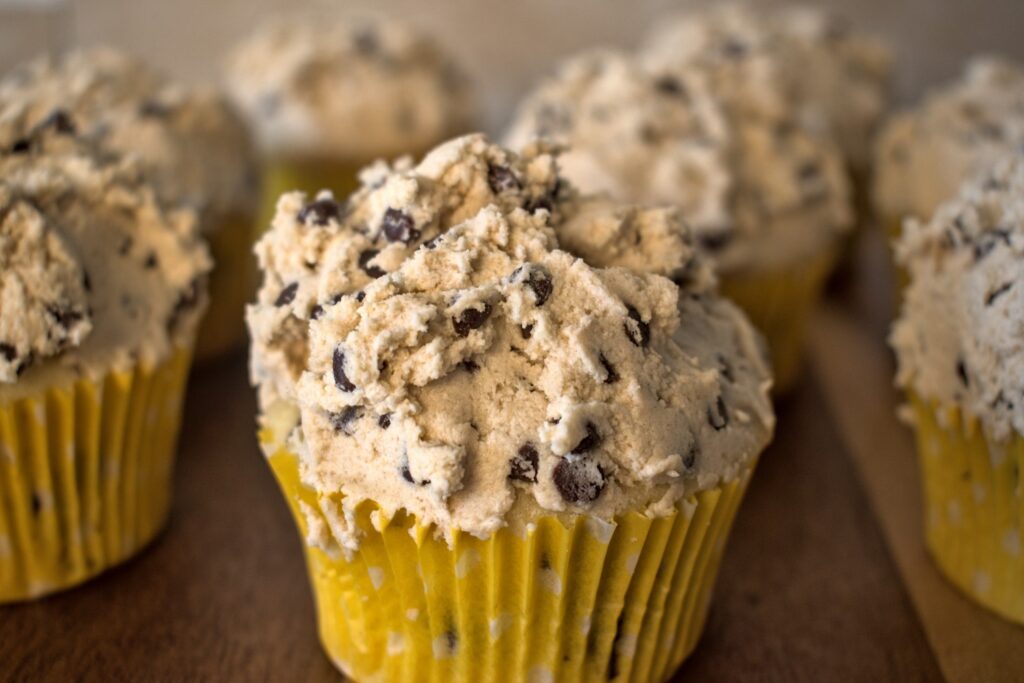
{"points": [[507, 43]]}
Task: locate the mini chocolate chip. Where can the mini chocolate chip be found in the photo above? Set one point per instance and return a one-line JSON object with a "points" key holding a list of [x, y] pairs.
{"points": [[59, 121], [398, 226], [578, 480], [537, 203], [590, 441], [611, 376], [21, 146], [151, 261], [718, 416], [469, 365], [287, 294], [725, 368], [690, 459], [526, 331], [961, 372], [384, 421], [669, 85], [125, 246], [64, 317], [432, 242], [343, 420], [341, 380], [501, 178], [321, 211], [540, 284], [715, 241], [471, 319], [187, 300], [525, 465], [317, 311], [360, 295], [637, 330], [364, 263], [998, 292], [8, 352], [407, 474]]}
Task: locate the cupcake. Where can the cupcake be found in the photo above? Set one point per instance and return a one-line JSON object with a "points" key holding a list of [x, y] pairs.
{"points": [[925, 154], [766, 199], [326, 98], [101, 292], [191, 145], [505, 462], [961, 362]]}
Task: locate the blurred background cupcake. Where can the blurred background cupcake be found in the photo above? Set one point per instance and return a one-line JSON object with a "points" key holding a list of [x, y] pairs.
{"points": [[191, 145], [328, 96], [101, 293], [505, 462], [925, 153], [767, 199], [961, 363]]}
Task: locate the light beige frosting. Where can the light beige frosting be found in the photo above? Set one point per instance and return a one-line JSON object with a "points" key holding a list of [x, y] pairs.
{"points": [[758, 190], [804, 60], [484, 373], [960, 336], [925, 154], [193, 147], [94, 273], [354, 89]]}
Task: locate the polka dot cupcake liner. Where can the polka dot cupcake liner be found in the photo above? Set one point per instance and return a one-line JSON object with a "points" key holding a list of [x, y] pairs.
{"points": [[85, 475], [232, 285], [571, 598], [974, 506], [779, 302]]}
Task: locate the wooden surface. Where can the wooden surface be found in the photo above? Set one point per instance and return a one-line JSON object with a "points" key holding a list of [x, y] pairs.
{"points": [[807, 593]]}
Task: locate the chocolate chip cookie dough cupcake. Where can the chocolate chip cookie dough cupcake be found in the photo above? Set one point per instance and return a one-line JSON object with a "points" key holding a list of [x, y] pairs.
{"points": [[326, 98], [961, 362], [766, 199], [101, 292], [506, 463], [192, 146], [926, 153]]}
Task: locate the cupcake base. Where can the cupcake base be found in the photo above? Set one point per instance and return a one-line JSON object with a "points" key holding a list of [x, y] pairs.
{"points": [[85, 476], [779, 303], [232, 285], [572, 598], [974, 506]]}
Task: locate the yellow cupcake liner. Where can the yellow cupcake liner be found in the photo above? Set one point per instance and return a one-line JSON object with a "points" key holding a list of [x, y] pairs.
{"points": [[85, 475], [779, 303], [573, 598], [232, 285], [974, 506]]}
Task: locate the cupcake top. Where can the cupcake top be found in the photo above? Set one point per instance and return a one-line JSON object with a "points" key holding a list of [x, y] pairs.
{"points": [[757, 188], [925, 154], [335, 88], [94, 273], [960, 337], [807, 61], [189, 142], [483, 373]]}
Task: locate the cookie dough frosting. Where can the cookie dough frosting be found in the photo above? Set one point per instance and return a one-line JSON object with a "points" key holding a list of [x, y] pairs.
{"points": [[809, 61], [757, 189], [960, 338], [477, 371], [333, 88], [925, 154], [190, 143], [94, 273]]}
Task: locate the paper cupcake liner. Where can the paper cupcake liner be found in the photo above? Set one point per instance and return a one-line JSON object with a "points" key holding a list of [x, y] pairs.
{"points": [[85, 475], [974, 506], [779, 303], [571, 599], [231, 286]]}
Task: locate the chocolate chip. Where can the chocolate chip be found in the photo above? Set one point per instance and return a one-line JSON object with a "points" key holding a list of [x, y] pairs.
{"points": [[151, 261], [961, 372], [637, 330], [590, 441], [540, 284], [60, 121], [398, 226], [578, 480], [432, 242], [610, 376], [125, 246], [471, 319], [384, 421], [65, 317], [998, 292], [187, 300], [718, 416], [469, 365], [341, 380], [715, 241], [8, 352], [501, 178], [364, 263], [342, 421], [525, 465], [360, 295], [317, 311], [21, 146], [287, 295], [669, 85], [321, 211], [986, 243], [526, 331], [690, 459], [407, 473]]}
